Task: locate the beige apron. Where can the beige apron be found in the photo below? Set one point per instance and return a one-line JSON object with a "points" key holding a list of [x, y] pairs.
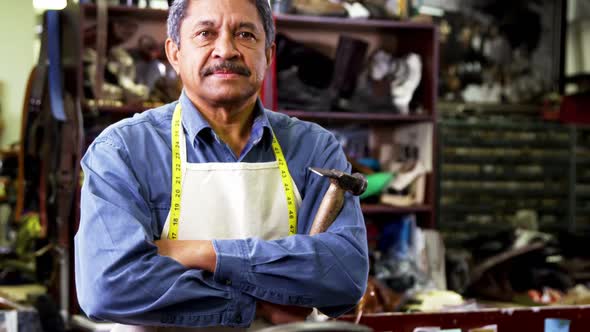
{"points": [[228, 201]]}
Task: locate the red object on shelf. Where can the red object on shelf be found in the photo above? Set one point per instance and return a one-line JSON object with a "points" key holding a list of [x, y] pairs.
{"points": [[371, 209], [344, 22], [509, 319], [575, 109], [385, 118]]}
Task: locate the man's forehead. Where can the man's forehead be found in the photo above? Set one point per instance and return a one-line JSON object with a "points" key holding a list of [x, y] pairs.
{"points": [[238, 12], [234, 5]]}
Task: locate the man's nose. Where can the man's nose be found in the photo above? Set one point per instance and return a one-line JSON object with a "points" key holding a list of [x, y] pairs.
{"points": [[225, 47]]}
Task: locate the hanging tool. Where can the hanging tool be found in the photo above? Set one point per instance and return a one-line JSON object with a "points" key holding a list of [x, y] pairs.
{"points": [[333, 200]]}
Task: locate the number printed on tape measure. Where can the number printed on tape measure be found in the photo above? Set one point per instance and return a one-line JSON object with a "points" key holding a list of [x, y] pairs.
{"points": [[287, 185]]}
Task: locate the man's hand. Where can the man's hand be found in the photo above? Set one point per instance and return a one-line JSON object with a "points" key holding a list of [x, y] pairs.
{"points": [[281, 314], [194, 254]]}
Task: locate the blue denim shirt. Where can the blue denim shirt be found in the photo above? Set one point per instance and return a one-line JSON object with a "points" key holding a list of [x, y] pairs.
{"points": [[125, 200]]}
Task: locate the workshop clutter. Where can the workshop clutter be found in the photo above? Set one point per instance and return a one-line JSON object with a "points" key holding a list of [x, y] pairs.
{"points": [[398, 176], [406, 153], [402, 259], [135, 70], [374, 9], [519, 265], [130, 68], [407, 270], [355, 79], [8, 196], [493, 53], [422, 270]]}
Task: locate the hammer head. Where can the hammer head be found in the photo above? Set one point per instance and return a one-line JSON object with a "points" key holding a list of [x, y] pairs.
{"points": [[354, 183]]}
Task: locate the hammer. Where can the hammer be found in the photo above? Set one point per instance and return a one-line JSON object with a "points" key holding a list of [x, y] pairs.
{"points": [[333, 200]]}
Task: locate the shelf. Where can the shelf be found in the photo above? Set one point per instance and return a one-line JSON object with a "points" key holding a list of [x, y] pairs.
{"points": [[505, 193], [489, 108], [9, 153], [128, 11], [510, 177], [162, 14], [480, 142], [374, 209], [122, 110], [495, 210], [355, 116], [584, 210], [507, 319], [503, 124], [345, 22], [506, 160], [303, 115]]}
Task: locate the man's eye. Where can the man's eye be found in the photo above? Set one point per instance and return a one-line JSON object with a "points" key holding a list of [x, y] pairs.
{"points": [[246, 35], [204, 34]]}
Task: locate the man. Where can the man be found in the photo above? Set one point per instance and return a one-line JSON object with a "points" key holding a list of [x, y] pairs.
{"points": [[195, 214]]}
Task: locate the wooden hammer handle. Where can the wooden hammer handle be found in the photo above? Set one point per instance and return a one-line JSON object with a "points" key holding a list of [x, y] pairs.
{"points": [[329, 208]]}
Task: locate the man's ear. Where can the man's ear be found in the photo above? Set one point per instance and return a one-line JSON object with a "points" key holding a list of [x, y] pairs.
{"points": [[172, 53], [270, 53]]}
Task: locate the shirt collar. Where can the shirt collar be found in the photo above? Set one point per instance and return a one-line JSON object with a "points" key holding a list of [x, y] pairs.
{"points": [[195, 124]]}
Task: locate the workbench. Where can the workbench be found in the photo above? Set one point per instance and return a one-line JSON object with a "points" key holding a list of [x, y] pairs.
{"points": [[530, 319]]}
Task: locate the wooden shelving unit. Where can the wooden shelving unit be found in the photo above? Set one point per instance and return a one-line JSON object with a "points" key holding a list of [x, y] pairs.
{"points": [[303, 115], [398, 37], [348, 23], [506, 319], [380, 209], [122, 110], [89, 10], [356, 117], [493, 165]]}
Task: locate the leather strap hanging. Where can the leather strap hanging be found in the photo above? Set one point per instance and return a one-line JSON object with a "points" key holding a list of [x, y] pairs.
{"points": [[21, 184], [38, 88], [53, 114], [59, 163], [102, 22], [31, 128], [55, 70]]}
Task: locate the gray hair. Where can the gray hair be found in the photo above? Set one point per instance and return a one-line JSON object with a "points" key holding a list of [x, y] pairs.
{"points": [[178, 9]]}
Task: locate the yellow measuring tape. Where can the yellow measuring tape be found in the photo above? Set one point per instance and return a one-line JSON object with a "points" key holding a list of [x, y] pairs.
{"points": [[287, 184], [176, 175], [177, 179]]}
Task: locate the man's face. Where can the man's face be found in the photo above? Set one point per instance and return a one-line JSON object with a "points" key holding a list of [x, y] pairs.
{"points": [[222, 57]]}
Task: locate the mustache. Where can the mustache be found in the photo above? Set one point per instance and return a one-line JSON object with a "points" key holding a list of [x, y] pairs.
{"points": [[226, 66]]}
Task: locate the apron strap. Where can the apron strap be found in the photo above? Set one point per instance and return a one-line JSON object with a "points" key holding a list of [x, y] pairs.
{"points": [[178, 155], [287, 184]]}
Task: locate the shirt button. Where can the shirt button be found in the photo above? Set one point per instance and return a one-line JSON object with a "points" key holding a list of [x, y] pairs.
{"points": [[228, 282], [238, 318]]}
